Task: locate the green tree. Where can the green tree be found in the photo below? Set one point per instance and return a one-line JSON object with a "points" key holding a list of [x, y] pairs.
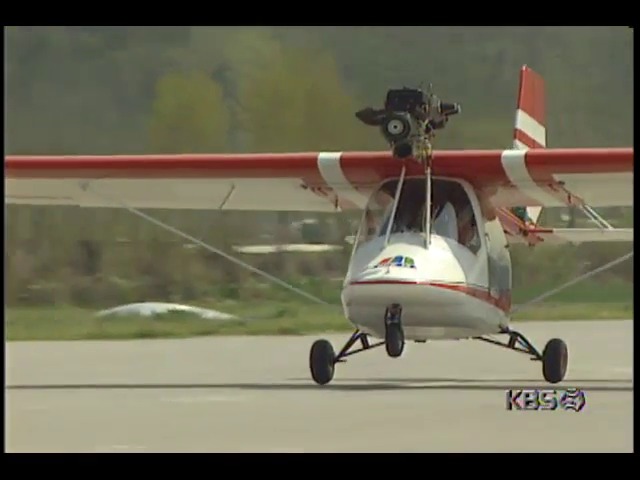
{"points": [[189, 115], [299, 102]]}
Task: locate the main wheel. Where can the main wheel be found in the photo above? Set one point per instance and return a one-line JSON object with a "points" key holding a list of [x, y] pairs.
{"points": [[555, 359], [322, 362], [394, 340]]}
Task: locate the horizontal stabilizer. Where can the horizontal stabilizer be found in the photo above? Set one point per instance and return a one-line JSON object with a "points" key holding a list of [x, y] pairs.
{"points": [[583, 235], [286, 248]]}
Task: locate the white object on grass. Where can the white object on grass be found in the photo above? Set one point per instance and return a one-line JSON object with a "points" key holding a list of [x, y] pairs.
{"points": [[148, 309]]}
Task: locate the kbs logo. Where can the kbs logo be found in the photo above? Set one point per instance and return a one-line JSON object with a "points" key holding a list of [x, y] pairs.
{"points": [[397, 261], [570, 399]]}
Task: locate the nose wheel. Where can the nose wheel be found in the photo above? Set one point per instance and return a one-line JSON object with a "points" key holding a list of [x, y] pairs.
{"points": [[394, 334]]}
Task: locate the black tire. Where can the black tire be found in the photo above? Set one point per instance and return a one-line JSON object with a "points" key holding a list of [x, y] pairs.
{"points": [[322, 362], [394, 340], [555, 359]]}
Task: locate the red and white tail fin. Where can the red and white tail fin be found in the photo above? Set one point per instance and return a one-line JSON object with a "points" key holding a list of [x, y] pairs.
{"points": [[530, 124]]}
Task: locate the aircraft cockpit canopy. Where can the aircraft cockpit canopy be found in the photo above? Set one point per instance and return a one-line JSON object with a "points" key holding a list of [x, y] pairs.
{"points": [[452, 214]]}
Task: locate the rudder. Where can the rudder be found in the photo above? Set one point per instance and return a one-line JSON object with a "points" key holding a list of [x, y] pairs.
{"points": [[530, 123]]}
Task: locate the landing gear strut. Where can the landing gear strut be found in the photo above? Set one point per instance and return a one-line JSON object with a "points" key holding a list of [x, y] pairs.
{"points": [[554, 358], [322, 358]]}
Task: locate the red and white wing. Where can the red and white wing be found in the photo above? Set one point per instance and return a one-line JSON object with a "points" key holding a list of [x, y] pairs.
{"points": [[330, 181], [554, 236], [280, 182], [563, 177], [316, 181], [583, 178]]}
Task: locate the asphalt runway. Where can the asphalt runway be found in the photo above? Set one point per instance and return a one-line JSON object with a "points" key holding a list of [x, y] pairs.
{"points": [[254, 394]]}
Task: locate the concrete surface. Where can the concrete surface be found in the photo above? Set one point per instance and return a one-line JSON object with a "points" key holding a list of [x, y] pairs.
{"points": [[255, 394]]}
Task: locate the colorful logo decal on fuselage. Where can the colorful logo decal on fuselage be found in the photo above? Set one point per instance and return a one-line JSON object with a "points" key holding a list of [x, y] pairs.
{"points": [[397, 261]]}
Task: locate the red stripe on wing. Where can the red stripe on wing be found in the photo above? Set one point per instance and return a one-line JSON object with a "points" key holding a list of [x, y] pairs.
{"points": [[164, 166], [542, 166]]}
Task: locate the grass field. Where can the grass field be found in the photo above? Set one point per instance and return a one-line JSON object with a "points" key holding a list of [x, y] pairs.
{"points": [[70, 323], [276, 315]]}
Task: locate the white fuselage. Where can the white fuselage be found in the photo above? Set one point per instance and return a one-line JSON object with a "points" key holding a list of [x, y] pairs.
{"points": [[444, 290]]}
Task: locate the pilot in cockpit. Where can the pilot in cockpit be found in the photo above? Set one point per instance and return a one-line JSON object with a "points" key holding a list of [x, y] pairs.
{"points": [[468, 229], [445, 222], [411, 217], [451, 212], [409, 212]]}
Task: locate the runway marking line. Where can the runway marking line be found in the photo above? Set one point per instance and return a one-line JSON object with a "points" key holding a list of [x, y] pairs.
{"points": [[203, 399], [118, 448]]}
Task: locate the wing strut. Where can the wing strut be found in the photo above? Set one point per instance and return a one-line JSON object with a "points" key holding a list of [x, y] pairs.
{"points": [[396, 200], [429, 195], [593, 215], [208, 247], [572, 282]]}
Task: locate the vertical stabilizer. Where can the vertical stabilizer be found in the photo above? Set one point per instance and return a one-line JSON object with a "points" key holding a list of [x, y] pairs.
{"points": [[530, 123]]}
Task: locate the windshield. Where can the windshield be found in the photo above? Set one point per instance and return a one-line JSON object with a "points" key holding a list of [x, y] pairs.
{"points": [[409, 215], [378, 209], [451, 211]]}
